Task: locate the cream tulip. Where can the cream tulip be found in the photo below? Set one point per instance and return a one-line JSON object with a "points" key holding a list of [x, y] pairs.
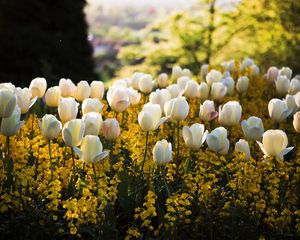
{"points": [[297, 99], [150, 117], [52, 96], [242, 146], [73, 132], [282, 84], [278, 110], [12, 124], [182, 81], [91, 105], [50, 127], [242, 84], [194, 136], [162, 80], [207, 111], [135, 79], [204, 71], [296, 121], [7, 85], [146, 83], [253, 128], [160, 96], [217, 141], [24, 100], [38, 87], [230, 113], [186, 72], [110, 129], [286, 71], [203, 90], [67, 109], [274, 144], [134, 96], [67, 88], [291, 103], [191, 89], [97, 89], [176, 72], [8, 102], [118, 99], [173, 90], [229, 83], [272, 74], [177, 108], [93, 123], [218, 91], [162, 152], [213, 76], [83, 91], [91, 150], [294, 86]]}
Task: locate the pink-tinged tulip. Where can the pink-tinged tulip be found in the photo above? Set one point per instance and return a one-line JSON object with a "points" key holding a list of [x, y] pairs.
{"points": [[111, 129], [207, 111]]}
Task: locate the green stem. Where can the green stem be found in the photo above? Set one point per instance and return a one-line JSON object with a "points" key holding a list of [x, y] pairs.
{"points": [[123, 116], [145, 152], [51, 163], [187, 166], [73, 161], [165, 182], [178, 144]]}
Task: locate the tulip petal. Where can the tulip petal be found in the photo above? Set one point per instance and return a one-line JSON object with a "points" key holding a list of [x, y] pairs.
{"points": [[67, 137], [9, 107], [78, 152], [32, 102], [204, 136], [162, 120], [101, 156], [262, 148], [285, 151]]}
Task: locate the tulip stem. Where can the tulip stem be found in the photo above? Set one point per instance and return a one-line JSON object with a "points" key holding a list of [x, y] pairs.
{"points": [[73, 161], [188, 163], [145, 152], [162, 170], [10, 166], [51, 163], [178, 144]]}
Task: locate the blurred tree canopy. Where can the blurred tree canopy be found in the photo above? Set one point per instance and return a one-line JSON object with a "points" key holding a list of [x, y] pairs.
{"points": [[266, 30], [44, 38]]}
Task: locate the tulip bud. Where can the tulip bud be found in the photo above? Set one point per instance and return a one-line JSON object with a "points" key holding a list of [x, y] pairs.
{"points": [[194, 136], [230, 113], [73, 132], [272, 74], [162, 152], [254, 70], [9, 86], [296, 121], [247, 62], [146, 83], [253, 128], [120, 83], [24, 100], [176, 72], [91, 105], [203, 90], [91, 150], [182, 81], [12, 124], [217, 141], [50, 127], [118, 99], [177, 108], [229, 83], [218, 91], [173, 90], [38, 87], [282, 84], [207, 111], [97, 89], [204, 71], [150, 117], [135, 79], [111, 129], [67, 109], [286, 71], [52, 97], [160, 96], [191, 89], [67, 88], [213, 76], [93, 123], [242, 84], [162, 80], [134, 96], [186, 72], [242, 146], [274, 144], [291, 103], [294, 86], [83, 91], [278, 110], [8, 102]]}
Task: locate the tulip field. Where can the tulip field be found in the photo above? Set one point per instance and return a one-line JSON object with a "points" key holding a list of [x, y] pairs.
{"points": [[173, 156]]}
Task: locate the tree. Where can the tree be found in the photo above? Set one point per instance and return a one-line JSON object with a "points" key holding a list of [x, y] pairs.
{"points": [[44, 38]]}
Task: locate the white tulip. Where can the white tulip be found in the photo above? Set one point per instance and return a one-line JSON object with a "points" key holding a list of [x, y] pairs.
{"points": [[173, 90], [294, 86], [296, 121], [204, 71], [286, 71], [160, 96], [176, 72], [231, 65], [182, 81], [134, 96], [218, 91], [52, 96], [162, 152], [191, 89], [67, 87], [162, 80], [50, 127], [8, 102], [297, 99], [274, 144], [254, 70], [247, 62], [111, 129], [121, 83], [97, 89], [207, 111], [253, 128], [282, 84], [150, 117], [229, 83], [38, 87], [230, 113], [12, 124], [213, 76], [118, 99], [135, 79], [278, 110], [83, 91], [177, 108], [146, 83], [91, 105], [67, 109], [242, 84], [194, 136], [73, 132], [217, 141], [242, 146], [93, 123], [9, 86], [272, 74], [186, 72], [203, 90], [24, 100], [291, 103]]}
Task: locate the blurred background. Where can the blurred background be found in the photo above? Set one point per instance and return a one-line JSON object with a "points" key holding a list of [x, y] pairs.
{"points": [[107, 39]]}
